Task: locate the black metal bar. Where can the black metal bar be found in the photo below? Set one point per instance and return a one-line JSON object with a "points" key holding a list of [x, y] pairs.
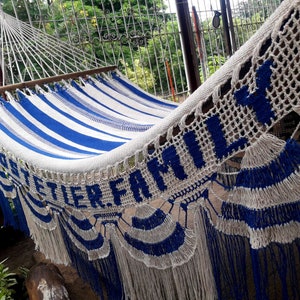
{"points": [[228, 47], [231, 27], [188, 44]]}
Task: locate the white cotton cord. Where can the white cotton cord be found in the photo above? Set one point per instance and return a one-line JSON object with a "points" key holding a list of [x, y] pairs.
{"points": [[47, 240], [264, 150], [52, 55], [296, 130], [269, 196], [262, 237], [142, 282]]}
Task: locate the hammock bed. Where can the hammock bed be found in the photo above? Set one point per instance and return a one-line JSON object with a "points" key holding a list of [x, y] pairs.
{"points": [[153, 200]]}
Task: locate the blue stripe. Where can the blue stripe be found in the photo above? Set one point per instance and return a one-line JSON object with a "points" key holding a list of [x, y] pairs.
{"points": [[64, 94], [75, 85], [103, 117], [42, 97], [262, 218], [155, 220], [140, 93], [62, 130], [171, 244], [276, 171], [120, 102], [27, 145]]}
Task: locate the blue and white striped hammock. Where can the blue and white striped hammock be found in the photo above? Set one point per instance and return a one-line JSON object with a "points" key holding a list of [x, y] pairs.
{"points": [[163, 201]]}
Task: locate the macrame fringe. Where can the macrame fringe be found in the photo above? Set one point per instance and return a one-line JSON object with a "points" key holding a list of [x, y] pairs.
{"points": [[268, 196], [49, 242], [87, 238], [21, 219], [9, 217], [260, 238], [101, 274], [228, 258], [269, 172], [141, 282], [191, 280], [276, 271], [241, 272]]}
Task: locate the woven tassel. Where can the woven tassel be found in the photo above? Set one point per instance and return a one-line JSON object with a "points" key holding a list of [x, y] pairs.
{"points": [[49, 241], [269, 172], [101, 274], [144, 282], [9, 217]]}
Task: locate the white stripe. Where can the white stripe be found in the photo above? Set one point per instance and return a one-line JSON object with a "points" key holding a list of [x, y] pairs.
{"points": [[158, 111]]}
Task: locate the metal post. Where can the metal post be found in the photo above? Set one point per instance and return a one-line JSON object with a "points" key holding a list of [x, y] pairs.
{"points": [[228, 47], [231, 27], [188, 45]]}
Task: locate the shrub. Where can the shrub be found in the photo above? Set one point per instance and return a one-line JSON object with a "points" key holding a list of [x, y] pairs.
{"points": [[7, 281]]}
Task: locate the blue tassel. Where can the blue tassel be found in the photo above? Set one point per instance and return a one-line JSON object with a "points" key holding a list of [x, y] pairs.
{"points": [[13, 215], [21, 219], [9, 217], [102, 274], [262, 218], [276, 271], [228, 255], [241, 272]]}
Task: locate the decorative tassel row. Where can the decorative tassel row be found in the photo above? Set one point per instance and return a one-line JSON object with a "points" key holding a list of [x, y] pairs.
{"points": [[49, 241], [102, 274], [190, 280]]}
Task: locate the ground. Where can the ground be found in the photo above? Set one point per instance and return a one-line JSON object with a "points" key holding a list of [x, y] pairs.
{"points": [[21, 252]]}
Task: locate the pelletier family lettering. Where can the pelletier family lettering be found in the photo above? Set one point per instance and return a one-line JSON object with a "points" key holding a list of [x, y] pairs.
{"points": [[92, 196]]}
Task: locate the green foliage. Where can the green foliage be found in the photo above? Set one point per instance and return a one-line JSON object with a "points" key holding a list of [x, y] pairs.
{"points": [[213, 64], [136, 35], [140, 75], [25, 9], [7, 281], [247, 9], [164, 46]]}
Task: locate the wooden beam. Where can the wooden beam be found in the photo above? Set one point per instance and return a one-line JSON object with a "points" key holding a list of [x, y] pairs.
{"points": [[51, 79]]}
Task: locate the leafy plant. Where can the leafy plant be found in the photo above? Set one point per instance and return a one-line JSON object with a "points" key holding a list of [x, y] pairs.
{"points": [[7, 281]]}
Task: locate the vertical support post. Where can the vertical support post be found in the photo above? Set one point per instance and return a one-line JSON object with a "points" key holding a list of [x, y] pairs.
{"points": [[200, 44], [228, 47], [188, 45], [231, 27]]}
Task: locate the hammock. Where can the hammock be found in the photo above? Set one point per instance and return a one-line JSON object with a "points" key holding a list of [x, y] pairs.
{"points": [[150, 200]]}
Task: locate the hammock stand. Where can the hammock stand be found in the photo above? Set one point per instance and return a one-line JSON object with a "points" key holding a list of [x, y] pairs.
{"points": [[152, 200]]}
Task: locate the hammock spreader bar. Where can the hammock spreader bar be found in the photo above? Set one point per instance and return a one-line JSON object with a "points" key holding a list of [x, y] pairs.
{"points": [[53, 79]]}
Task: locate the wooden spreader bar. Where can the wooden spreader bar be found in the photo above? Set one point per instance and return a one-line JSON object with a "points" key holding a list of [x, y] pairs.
{"points": [[51, 79]]}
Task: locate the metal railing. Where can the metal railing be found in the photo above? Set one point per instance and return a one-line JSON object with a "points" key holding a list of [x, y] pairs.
{"points": [[143, 37]]}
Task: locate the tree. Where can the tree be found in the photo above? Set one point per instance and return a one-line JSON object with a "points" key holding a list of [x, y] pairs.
{"points": [[165, 46], [25, 10], [250, 8]]}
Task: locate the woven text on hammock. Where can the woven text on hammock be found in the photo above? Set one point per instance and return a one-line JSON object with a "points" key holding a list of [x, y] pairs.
{"points": [[91, 196]]}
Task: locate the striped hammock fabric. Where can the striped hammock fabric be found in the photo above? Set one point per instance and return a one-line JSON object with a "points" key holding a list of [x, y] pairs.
{"points": [[153, 200]]}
